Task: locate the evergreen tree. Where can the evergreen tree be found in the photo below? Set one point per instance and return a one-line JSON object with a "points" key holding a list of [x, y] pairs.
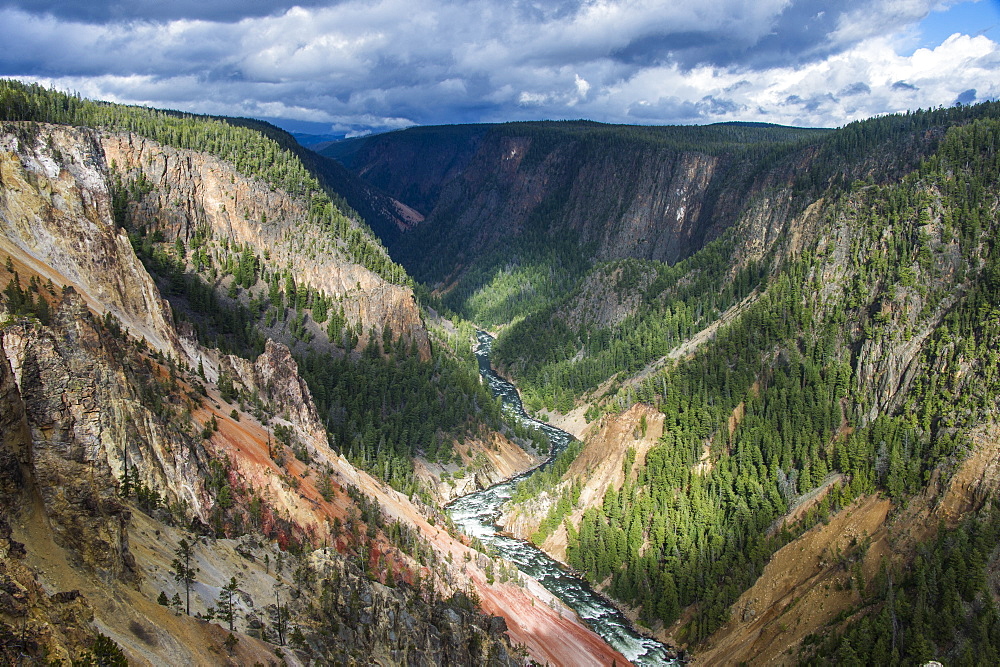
{"points": [[226, 603], [183, 571]]}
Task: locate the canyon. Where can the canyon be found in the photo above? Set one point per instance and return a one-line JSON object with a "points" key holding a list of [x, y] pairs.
{"points": [[774, 347], [106, 393]]}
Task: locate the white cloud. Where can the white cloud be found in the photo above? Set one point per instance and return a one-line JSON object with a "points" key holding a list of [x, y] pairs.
{"points": [[382, 64]]}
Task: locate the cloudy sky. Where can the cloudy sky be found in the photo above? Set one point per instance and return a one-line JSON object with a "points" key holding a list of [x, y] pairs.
{"points": [[357, 66]]}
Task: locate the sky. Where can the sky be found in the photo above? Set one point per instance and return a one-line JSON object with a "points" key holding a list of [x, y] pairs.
{"points": [[354, 67]]}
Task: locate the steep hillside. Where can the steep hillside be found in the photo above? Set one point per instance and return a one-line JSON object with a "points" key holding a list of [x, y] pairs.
{"points": [[58, 216], [141, 465], [216, 212], [385, 216], [412, 165], [615, 449], [516, 213], [106, 481], [798, 368], [247, 245]]}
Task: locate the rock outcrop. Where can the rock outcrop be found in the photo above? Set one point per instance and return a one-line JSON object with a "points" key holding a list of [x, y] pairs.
{"points": [[55, 209], [484, 462], [274, 377], [600, 465], [86, 420], [191, 193], [35, 625], [15, 441]]}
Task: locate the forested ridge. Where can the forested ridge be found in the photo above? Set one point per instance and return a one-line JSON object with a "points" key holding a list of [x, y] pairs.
{"points": [[240, 142], [863, 352], [799, 386], [382, 404]]}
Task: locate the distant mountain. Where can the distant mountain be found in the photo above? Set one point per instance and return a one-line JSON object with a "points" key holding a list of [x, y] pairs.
{"points": [[316, 142], [541, 202]]}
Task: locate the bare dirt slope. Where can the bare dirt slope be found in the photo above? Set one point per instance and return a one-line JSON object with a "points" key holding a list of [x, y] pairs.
{"points": [[803, 588], [813, 579], [601, 464], [484, 461], [148, 632]]}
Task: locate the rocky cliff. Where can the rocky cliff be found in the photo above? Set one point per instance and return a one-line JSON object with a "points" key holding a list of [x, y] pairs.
{"points": [[188, 193], [609, 192], [80, 408], [55, 208], [389, 164], [15, 441], [115, 448]]}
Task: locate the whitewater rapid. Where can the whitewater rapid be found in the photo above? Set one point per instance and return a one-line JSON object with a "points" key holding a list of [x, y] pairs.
{"points": [[476, 515]]}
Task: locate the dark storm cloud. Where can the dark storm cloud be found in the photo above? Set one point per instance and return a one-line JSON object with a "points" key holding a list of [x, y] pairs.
{"points": [[716, 106], [812, 103], [671, 107], [796, 32], [722, 33], [799, 32], [104, 11], [682, 109], [362, 65], [856, 88], [966, 97]]}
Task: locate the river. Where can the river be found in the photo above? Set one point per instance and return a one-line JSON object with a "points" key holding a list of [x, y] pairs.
{"points": [[476, 515]]}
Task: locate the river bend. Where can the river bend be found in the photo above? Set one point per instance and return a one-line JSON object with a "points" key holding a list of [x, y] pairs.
{"points": [[476, 515]]}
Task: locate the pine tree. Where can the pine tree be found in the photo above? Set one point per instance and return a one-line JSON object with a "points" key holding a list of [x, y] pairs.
{"points": [[226, 603], [183, 572]]}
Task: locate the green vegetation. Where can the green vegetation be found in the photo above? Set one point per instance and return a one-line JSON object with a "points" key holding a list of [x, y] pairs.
{"points": [[21, 302], [103, 652], [250, 151], [784, 395], [676, 302], [183, 571], [547, 135], [504, 284], [382, 410], [939, 608], [550, 476]]}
